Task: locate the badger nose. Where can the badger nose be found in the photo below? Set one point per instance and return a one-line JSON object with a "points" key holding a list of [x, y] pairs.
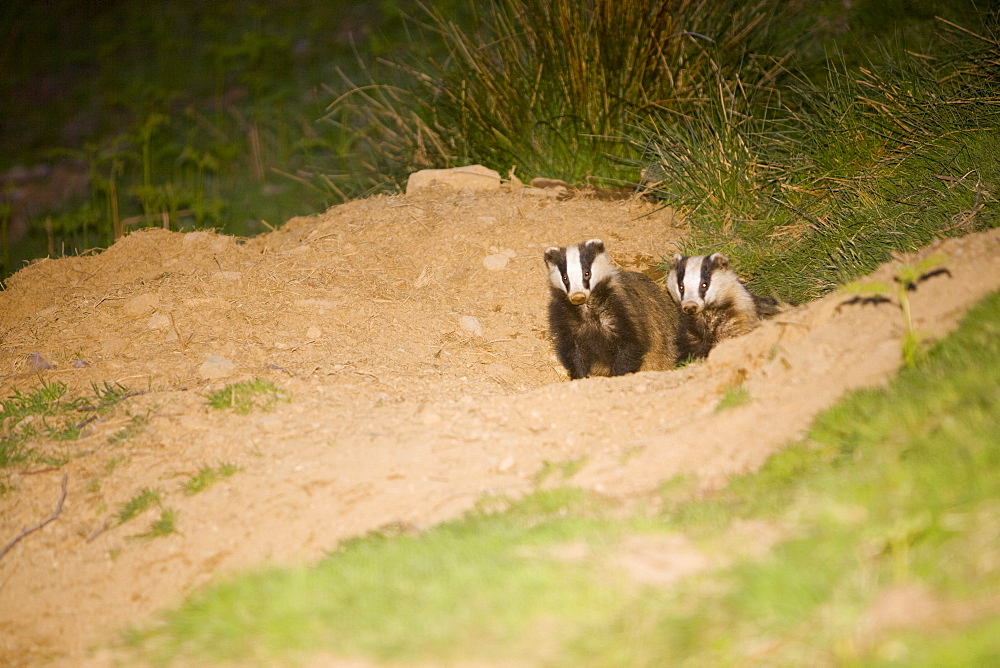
{"points": [[578, 298], [690, 307]]}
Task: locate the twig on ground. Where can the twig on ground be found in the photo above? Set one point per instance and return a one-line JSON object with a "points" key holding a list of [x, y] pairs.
{"points": [[54, 515]]}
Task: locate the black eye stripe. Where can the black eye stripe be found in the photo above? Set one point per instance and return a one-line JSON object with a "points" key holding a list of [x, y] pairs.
{"points": [[560, 266], [706, 275]]}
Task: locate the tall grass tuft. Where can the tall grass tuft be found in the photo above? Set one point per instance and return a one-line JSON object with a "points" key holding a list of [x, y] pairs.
{"points": [[823, 187], [549, 86]]}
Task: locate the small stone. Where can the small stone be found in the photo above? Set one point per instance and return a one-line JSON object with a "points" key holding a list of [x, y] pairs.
{"points": [[430, 418], [216, 366], [158, 321], [142, 304], [470, 177], [226, 276], [507, 464], [271, 423], [314, 333], [38, 363], [471, 325], [114, 345], [496, 262]]}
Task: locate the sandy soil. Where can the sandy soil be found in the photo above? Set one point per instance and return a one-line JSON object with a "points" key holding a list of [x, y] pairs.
{"points": [[402, 410]]}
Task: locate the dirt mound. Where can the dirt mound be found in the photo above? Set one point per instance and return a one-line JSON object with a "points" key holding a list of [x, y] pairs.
{"points": [[410, 334]]}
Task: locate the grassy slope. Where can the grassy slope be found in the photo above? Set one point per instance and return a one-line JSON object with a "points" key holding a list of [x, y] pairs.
{"points": [[893, 490]]}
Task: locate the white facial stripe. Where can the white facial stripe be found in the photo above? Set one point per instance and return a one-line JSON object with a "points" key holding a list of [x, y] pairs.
{"points": [[575, 271], [555, 277], [692, 279], [600, 269]]}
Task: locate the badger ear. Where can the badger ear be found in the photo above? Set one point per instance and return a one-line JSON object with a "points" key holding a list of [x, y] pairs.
{"points": [[675, 261], [552, 255], [596, 244], [719, 261]]}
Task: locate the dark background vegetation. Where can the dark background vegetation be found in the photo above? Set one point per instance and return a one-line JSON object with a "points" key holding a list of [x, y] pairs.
{"points": [[807, 138]]}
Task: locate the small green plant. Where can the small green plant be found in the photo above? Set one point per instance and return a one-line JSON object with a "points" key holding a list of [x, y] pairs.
{"points": [[112, 464], [208, 476], [46, 413], [24, 417], [566, 469], [165, 525], [257, 394], [138, 504], [732, 397], [134, 427], [907, 277]]}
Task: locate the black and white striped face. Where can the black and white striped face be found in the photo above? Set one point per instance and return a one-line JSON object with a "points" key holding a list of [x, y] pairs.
{"points": [[695, 281], [576, 270]]}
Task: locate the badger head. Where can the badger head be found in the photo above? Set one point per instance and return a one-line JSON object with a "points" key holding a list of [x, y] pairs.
{"points": [[694, 281], [577, 270]]}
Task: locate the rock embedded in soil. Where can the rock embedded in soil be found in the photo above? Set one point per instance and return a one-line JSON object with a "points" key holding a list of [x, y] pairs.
{"points": [[142, 304], [216, 366], [158, 321], [471, 325], [470, 177], [38, 363], [496, 262]]}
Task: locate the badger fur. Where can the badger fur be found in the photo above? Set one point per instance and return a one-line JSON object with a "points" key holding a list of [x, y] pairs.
{"points": [[714, 304], [606, 321]]}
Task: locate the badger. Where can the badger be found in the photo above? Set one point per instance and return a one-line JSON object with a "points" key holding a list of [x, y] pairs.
{"points": [[714, 304], [605, 321]]}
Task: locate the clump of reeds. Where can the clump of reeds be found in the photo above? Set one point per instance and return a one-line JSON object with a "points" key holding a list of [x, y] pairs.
{"points": [[549, 86], [823, 187]]}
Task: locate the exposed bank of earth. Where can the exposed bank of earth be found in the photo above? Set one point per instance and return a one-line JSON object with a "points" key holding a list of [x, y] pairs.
{"points": [[410, 334]]}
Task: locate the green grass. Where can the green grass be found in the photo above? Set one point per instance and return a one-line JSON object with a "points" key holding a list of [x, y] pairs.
{"points": [[208, 476], [732, 397], [893, 487], [406, 597], [138, 504], [247, 396], [163, 526], [813, 188], [134, 427], [47, 414], [565, 470]]}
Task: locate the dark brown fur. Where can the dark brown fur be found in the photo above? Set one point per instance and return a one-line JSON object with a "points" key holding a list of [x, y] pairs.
{"points": [[724, 307], [627, 324]]}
